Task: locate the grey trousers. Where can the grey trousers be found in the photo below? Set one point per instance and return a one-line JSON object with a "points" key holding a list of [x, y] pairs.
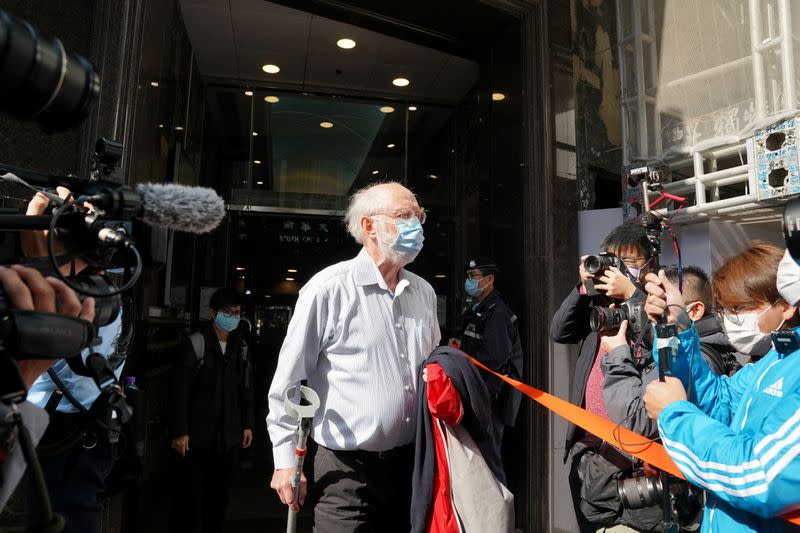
{"points": [[363, 492]]}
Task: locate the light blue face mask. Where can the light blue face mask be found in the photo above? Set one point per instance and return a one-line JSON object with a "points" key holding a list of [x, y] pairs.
{"points": [[471, 287], [408, 242], [226, 322]]}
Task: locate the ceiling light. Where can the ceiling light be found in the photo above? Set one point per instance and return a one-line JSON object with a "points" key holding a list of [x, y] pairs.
{"points": [[154, 83], [400, 82], [240, 268], [347, 44], [272, 99], [271, 69], [248, 93], [326, 125], [375, 172], [257, 162], [387, 109], [255, 134], [259, 183], [440, 276], [267, 296], [178, 128], [291, 270], [160, 125], [498, 97], [247, 292], [391, 145], [289, 279], [433, 176], [412, 108]]}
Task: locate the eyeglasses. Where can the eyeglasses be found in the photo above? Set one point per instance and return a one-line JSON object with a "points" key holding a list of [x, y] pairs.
{"points": [[632, 261], [407, 214], [475, 275], [736, 315]]}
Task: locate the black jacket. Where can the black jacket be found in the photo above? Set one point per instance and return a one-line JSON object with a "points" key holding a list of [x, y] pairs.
{"points": [[570, 325], [211, 402], [477, 420], [489, 333]]}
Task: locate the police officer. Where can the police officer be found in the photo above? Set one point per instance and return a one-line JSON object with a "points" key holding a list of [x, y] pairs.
{"points": [[489, 333]]}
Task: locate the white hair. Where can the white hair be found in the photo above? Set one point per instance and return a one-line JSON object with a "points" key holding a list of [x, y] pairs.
{"points": [[365, 202]]}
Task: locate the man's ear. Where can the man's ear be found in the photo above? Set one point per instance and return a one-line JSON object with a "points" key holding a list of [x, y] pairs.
{"points": [[368, 225], [696, 310]]}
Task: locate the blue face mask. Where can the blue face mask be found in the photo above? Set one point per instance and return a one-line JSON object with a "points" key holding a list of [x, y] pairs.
{"points": [[409, 238], [226, 322], [471, 287]]}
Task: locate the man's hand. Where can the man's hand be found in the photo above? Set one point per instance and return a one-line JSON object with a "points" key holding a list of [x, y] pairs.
{"points": [[660, 394], [282, 484], [181, 444], [660, 294], [247, 438], [615, 284], [28, 290], [609, 342]]}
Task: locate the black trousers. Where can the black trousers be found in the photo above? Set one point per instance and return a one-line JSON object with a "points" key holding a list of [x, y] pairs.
{"points": [[202, 480], [362, 492], [76, 481]]}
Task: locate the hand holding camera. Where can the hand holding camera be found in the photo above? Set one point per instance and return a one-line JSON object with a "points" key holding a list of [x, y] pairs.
{"points": [[605, 273], [662, 294]]}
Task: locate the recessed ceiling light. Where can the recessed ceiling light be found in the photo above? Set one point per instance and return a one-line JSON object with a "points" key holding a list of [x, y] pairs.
{"points": [[291, 270], [326, 125], [272, 99], [387, 109], [440, 276], [259, 183], [257, 162], [375, 172], [248, 93], [412, 108], [178, 128], [271, 69], [160, 125], [498, 97], [154, 83], [247, 292], [289, 279], [400, 82], [255, 134], [240, 268], [390, 145], [433, 176], [347, 44]]}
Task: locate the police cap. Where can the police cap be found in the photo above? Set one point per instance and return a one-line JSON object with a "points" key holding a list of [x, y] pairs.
{"points": [[482, 263]]}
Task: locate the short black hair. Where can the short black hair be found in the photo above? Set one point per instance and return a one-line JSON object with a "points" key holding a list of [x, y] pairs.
{"points": [[630, 233], [224, 297], [696, 285]]}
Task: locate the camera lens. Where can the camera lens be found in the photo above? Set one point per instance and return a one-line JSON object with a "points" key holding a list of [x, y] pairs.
{"points": [[39, 80], [593, 264], [640, 491], [605, 318]]}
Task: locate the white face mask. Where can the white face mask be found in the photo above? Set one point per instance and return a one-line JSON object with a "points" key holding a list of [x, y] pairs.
{"points": [[635, 272], [745, 335]]}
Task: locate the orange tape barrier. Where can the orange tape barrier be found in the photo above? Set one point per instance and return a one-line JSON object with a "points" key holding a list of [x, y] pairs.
{"points": [[619, 437]]}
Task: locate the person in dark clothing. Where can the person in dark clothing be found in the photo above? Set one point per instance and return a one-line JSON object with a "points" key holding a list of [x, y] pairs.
{"points": [[211, 414], [570, 325], [489, 333]]}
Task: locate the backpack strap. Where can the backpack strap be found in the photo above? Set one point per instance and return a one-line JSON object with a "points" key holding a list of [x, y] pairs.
{"points": [[199, 346]]}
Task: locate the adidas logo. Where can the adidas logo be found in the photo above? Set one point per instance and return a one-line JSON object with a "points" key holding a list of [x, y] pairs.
{"points": [[776, 389]]}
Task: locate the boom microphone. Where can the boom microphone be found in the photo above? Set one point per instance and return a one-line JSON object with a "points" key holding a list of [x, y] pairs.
{"points": [[177, 207]]}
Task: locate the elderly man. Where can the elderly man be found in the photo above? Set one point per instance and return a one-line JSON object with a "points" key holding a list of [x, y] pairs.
{"points": [[360, 332]]}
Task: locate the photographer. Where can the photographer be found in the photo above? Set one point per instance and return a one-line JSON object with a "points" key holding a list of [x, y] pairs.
{"points": [[79, 449], [571, 325], [737, 437], [26, 289]]}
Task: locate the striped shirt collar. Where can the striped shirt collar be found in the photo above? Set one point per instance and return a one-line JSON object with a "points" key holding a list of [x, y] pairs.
{"points": [[366, 272]]}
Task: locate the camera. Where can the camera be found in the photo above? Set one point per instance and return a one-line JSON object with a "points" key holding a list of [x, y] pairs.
{"points": [[40, 81], [597, 264], [641, 491], [609, 319]]}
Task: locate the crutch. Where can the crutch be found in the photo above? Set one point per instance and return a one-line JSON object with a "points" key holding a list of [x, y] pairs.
{"points": [[303, 411]]}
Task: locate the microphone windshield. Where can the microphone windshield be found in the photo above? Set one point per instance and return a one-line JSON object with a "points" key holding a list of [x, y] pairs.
{"points": [[180, 207]]}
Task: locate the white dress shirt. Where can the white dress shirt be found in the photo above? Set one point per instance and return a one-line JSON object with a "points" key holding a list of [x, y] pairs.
{"points": [[360, 347]]}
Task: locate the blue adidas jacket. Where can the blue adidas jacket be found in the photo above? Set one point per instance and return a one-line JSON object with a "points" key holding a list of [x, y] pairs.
{"points": [[738, 438]]}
